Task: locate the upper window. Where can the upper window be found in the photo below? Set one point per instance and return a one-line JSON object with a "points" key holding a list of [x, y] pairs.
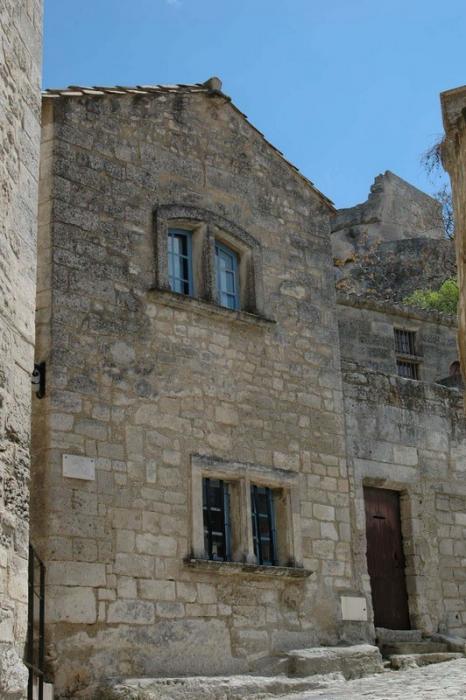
{"points": [[203, 255], [263, 525], [227, 276], [405, 348], [216, 510], [180, 268]]}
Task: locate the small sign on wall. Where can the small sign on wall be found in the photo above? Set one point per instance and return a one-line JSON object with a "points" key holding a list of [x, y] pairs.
{"points": [[77, 467], [353, 608]]}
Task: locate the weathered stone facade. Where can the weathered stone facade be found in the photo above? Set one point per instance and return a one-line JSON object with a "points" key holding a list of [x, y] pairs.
{"points": [[454, 157], [149, 392], [158, 388], [20, 63]]}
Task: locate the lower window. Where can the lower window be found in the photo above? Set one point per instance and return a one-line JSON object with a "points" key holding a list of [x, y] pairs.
{"points": [[263, 525], [243, 513], [407, 369]]}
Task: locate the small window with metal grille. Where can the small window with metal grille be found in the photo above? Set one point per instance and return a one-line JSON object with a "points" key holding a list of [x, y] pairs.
{"points": [[263, 525], [216, 511], [407, 362], [405, 342]]}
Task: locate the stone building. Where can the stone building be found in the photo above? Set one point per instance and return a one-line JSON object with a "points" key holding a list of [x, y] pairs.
{"points": [[20, 64], [405, 431], [454, 157], [216, 405]]}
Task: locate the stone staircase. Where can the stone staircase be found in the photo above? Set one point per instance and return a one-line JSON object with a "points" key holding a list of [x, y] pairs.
{"points": [[301, 670], [408, 648], [296, 671]]}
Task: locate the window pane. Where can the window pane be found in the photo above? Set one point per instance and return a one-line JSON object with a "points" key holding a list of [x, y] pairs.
{"points": [[263, 526], [179, 261], [216, 519], [405, 342], [227, 276], [408, 370]]}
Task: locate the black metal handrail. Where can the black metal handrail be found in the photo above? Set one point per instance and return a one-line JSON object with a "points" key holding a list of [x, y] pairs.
{"points": [[35, 648]]}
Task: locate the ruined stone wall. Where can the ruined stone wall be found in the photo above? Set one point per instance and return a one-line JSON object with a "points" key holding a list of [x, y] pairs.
{"points": [[411, 437], [20, 63], [367, 336], [155, 388], [392, 244], [454, 157]]}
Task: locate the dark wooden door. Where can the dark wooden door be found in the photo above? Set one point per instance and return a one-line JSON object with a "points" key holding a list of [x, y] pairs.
{"points": [[385, 559]]}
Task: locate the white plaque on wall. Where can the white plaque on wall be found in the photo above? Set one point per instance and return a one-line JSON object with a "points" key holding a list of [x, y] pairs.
{"points": [[77, 467], [353, 608]]}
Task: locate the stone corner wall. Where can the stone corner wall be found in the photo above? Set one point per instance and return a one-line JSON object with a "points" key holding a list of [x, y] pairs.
{"points": [[20, 65], [454, 158]]}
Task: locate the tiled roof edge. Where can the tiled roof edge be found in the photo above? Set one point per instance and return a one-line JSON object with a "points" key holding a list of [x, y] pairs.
{"points": [[196, 88]]}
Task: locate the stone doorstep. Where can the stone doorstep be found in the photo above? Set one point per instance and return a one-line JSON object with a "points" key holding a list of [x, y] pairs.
{"points": [[424, 647], [352, 662], [218, 687], [387, 636], [402, 661], [457, 644]]}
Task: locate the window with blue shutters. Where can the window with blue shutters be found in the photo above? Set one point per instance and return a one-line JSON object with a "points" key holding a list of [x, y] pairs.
{"points": [[263, 525], [180, 267], [216, 511], [227, 276]]}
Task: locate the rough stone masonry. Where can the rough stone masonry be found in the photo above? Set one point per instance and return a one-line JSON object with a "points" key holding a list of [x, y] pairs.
{"points": [[20, 65], [149, 392]]}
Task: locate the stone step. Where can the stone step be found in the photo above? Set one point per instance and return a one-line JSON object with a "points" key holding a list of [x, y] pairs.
{"points": [[216, 687], [403, 661], [425, 647], [454, 643], [352, 661], [386, 636]]}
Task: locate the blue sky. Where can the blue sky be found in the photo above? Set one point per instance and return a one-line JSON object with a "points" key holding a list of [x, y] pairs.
{"points": [[345, 88]]}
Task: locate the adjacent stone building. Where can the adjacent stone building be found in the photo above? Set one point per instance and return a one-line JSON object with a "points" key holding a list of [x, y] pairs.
{"points": [[405, 434], [454, 157], [223, 396], [20, 64]]}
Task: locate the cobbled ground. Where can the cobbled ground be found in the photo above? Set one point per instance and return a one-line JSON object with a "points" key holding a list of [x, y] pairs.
{"points": [[445, 681]]}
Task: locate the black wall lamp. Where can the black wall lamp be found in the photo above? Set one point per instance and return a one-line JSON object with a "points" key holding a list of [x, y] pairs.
{"points": [[38, 379]]}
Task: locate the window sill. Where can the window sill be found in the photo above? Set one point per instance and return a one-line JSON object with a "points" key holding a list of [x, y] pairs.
{"points": [[206, 308], [409, 358], [231, 568]]}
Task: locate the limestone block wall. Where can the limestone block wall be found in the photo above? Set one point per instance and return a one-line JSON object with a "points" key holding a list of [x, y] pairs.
{"points": [[454, 157], [20, 64], [411, 437], [148, 384], [367, 336]]}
